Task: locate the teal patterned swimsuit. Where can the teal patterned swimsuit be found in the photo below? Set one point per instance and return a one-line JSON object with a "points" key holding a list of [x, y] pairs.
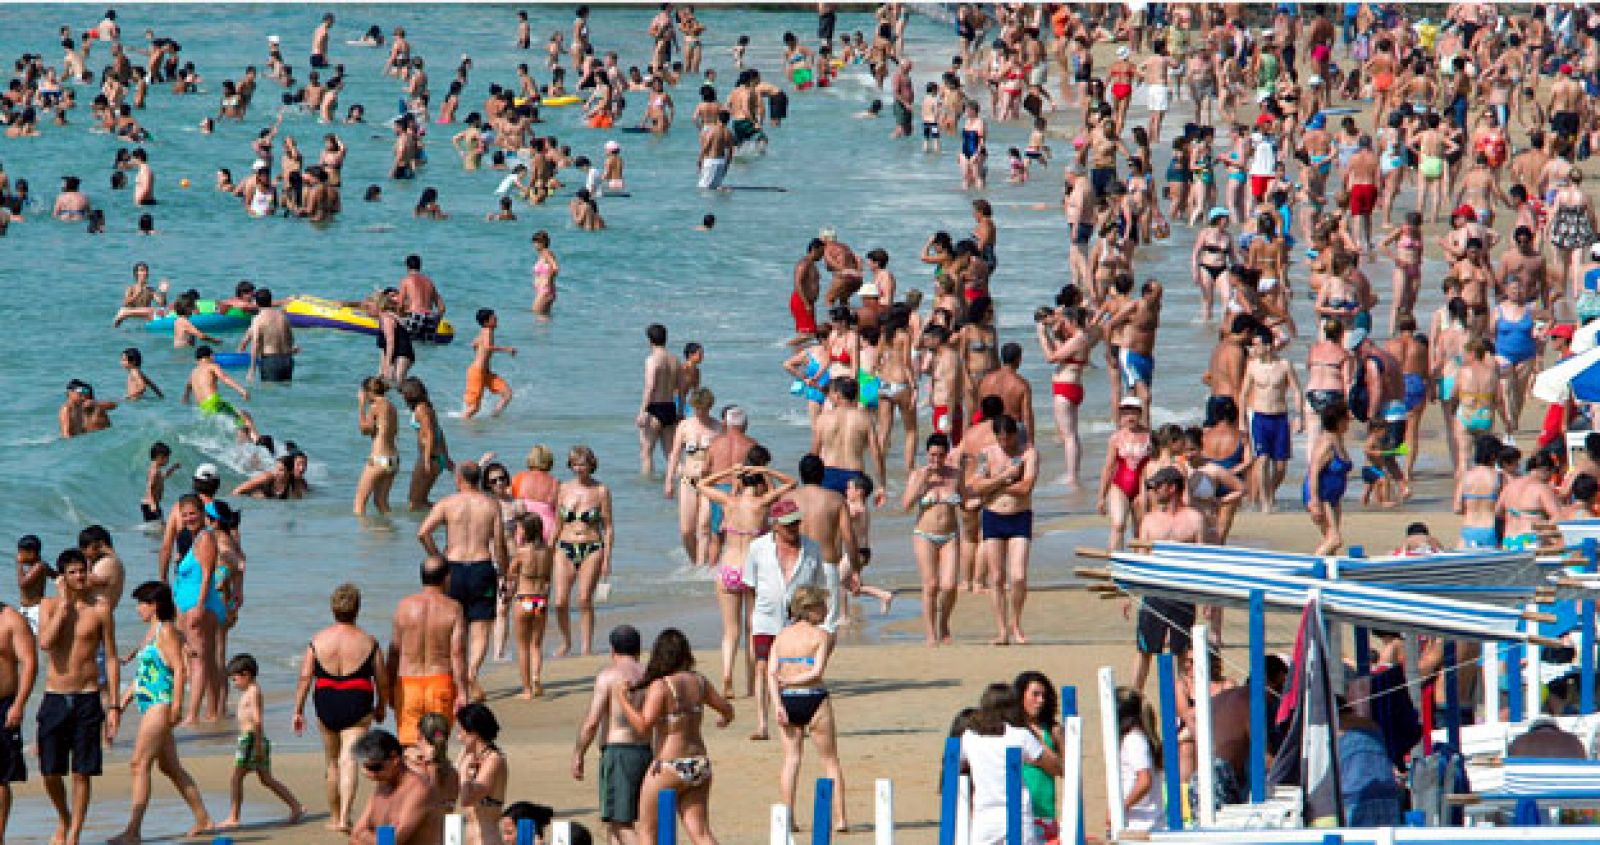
{"points": [[154, 678]]}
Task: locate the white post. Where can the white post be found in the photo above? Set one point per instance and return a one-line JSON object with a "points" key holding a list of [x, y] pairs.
{"points": [[561, 833], [454, 831], [1109, 740], [1490, 712], [884, 818], [780, 825], [1070, 795], [1205, 749], [964, 811]]}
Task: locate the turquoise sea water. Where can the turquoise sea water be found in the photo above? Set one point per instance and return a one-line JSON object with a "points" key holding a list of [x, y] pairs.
{"points": [[577, 377]]}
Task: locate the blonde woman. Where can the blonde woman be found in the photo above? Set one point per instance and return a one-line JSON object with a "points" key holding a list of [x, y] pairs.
{"points": [[587, 537], [686, 462], [378, 421]]}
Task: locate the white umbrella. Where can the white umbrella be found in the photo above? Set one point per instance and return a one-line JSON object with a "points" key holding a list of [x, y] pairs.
{"points": [[1578, 375], [1586, 337]]}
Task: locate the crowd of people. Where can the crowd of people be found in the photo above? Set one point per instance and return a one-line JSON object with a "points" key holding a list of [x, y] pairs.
{"points": [[1348, 133]]}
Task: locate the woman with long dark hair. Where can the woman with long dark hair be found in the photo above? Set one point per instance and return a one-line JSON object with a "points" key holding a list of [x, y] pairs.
{"points": [[1040, 709], [675, 700], [990, 732]]}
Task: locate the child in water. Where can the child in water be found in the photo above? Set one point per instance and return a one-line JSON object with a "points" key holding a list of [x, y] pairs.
{"points": [[857, 492], [1019, 168], [1038, 152], [738, 51], [155, 482], [138, 382]]}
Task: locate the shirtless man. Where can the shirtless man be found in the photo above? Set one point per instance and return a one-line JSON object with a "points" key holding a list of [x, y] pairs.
{"points": [[1077, 203], [1140, 317], [842, 262], [402, 799], [1523, 263], [319, 42], [1480, 189], [1164, 623], [1361, 184], [807, 286], [625, 756], [1228, 362], [427, 653], [951, 387], [1008, 383], [657, 419], [81, 413], [716, 150], [1527, 166], [144, 182], [106, 572], [1010, 467], [421, 306], [19, 664], [844, 434], [1269, 381], [74, 628], [1154, 72], [202, 386], [826, 520], [33, 572], [1568, 106], [270, 341], [475, 548], [71, 204]]}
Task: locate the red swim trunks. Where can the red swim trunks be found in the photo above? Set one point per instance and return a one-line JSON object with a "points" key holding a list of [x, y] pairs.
{"points": [[1071, 392], [805, 322], [1363, 199], [947, 420], [1258, 186], [1121, 90]]}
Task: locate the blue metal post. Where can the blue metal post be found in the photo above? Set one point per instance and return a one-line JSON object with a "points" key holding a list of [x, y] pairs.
{"points": [[1591, 556], [386, 835], [1069, 707], [1014, 796], [1514, 653], [667, 817], [1359, 635], [1417, 818], [950, 785], [527, 832], [822, 813], [1332, 839], [1452, 696], [1169, 740], [1258, 696]]}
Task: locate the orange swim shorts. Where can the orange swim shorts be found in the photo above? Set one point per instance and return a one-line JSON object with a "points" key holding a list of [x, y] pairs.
{"points": [[481, 380], [417, 697]]}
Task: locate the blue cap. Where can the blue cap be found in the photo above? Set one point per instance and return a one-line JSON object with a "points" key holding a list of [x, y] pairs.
{"points": [[1317, 121], [1218, 211]]}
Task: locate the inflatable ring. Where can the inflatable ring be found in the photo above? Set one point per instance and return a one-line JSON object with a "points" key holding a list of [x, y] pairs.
{"points": [[205, 319]]}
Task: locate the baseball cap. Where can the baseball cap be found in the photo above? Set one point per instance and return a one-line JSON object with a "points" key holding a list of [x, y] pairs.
{"points": [[1563, 330], [785, 512], [1216, 213], [1165, 475], [1131, 403], [1123, 52], [206, 472], [612, 146], [1566, 70], [1464, 210]]}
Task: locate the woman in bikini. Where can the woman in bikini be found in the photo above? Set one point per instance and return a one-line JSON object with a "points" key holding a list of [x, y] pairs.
{"points": [[1446, 347], [935, 492], [1527, 501], [1330, 371], [1478, 495], [378, 420], [744, 518], [1478, 390], [686, 462], [979, 342], [799, 662], [484, 774], [1404, 246], [587, 537], [1067, 341], [497, 483], [897, 383], [1127, 451], [343, 672], [675, 699], [529, 575]]}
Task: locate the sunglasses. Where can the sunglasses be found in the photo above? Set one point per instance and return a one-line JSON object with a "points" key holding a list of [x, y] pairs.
{"points": [[499, 479]]}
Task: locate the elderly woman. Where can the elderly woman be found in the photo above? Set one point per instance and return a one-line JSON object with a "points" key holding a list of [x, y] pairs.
{"points": [[344, 675]]}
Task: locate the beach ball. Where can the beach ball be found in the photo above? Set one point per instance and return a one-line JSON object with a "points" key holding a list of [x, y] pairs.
{"points": [[183, 183]]}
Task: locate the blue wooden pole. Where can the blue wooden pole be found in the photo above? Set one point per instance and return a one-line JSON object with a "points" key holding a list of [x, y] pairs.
{"points": [[1169, 740], [667, 817], [1417, 818], [822, 813], [1069, 707], [527, 832], [1332, 839], [950, 785], [1359, 635], [1452, 697], [1591, 557], [1014, 796], [222, 840], [1258, 696], [386, 835], [1514, 682]]}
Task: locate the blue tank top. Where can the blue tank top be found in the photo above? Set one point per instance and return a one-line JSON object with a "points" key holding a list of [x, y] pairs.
{"points": [[186, 584]]}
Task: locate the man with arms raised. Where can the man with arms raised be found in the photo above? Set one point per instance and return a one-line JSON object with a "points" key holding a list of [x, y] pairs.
{"points": [[19, 664], [401, 798], [73, 628], [427, 653], [475, 549], [625, 756]]}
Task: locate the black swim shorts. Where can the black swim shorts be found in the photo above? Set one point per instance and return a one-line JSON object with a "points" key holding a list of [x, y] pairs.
{"points": [[475, 585]]}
